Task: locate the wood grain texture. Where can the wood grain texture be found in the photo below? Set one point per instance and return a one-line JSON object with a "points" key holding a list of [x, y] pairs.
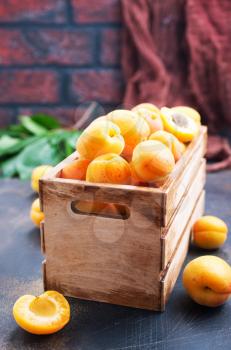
{"points": [[183, 175], [98, 258], [42, 239], [169, 276], [172, 233]]}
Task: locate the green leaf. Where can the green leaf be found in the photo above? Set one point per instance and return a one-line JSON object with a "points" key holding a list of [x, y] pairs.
{"points": [[7, 142], [33, 127], [17, 146], [18, 133], [73, 137], [8, 168], [32, 151], [40, 152], [47, 121]]}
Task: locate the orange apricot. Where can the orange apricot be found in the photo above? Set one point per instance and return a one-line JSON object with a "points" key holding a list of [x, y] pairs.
{"points": [[98, 138], [177, 147], [36, 214], [133, 129], [75, 170], [37, 174], [209, 232], [150, 106], [152, 161], [135, 180], [151, 115], [109, 168], [207, 280]]}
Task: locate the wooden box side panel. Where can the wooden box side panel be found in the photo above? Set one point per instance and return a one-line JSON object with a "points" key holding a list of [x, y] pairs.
{"points": [[179, 187], [99, 258], [172, 233], [171, 274]]}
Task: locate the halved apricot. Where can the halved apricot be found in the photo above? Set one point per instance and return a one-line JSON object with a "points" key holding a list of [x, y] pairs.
{"points": [[45, 314], [179, 124], [189, 111]]}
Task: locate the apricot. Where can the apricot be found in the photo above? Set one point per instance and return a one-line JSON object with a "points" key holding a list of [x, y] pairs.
{"points": [[45, 314], [102, 117], [189, 111], [179, 124], [150, 106], [109, 168], [37, 174], [133, 129], [76, 169], [177, 148], [36, 214], [207, 280], [98, 138], [135, 180], [151, 115], [209, 232], [152, 161]]}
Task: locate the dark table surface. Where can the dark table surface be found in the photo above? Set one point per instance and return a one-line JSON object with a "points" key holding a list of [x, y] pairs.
{"points": [[98, 326]]}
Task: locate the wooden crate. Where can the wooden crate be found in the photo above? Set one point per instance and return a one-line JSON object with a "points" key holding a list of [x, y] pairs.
{"points": [[128, 260]]}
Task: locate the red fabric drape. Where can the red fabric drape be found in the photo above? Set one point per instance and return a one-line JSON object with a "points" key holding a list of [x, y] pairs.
{"points": [[179, 52]]}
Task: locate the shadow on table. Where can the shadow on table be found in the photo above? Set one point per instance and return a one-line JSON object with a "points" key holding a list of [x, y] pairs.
{"points": [[33, 237]]}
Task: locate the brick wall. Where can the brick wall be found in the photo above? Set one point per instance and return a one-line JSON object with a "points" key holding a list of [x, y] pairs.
{"points": [[57, 54]]}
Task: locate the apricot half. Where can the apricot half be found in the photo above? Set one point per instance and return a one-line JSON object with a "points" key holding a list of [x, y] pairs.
{"points": [[133, 129], [207, 280], [98, 138], [151, 115], [36, 214], [109, 168], [177, 147], [76, 169], [179, 124], [152, 160], [37, 173], [45, 314], [191, 112], [209, 232]]}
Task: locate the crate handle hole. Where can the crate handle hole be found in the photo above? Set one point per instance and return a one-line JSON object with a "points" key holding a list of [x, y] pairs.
{"points": [[103, 209]]}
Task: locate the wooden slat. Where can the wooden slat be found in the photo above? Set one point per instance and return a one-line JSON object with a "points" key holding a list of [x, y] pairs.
{"points": [[44, 275], [148, 204], [42, 238], [169, 277], [201, 139], [179, 186], [173, 232]]}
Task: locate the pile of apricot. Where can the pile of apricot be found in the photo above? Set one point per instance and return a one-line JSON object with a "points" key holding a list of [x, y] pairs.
{"points": [[138, 146]]}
